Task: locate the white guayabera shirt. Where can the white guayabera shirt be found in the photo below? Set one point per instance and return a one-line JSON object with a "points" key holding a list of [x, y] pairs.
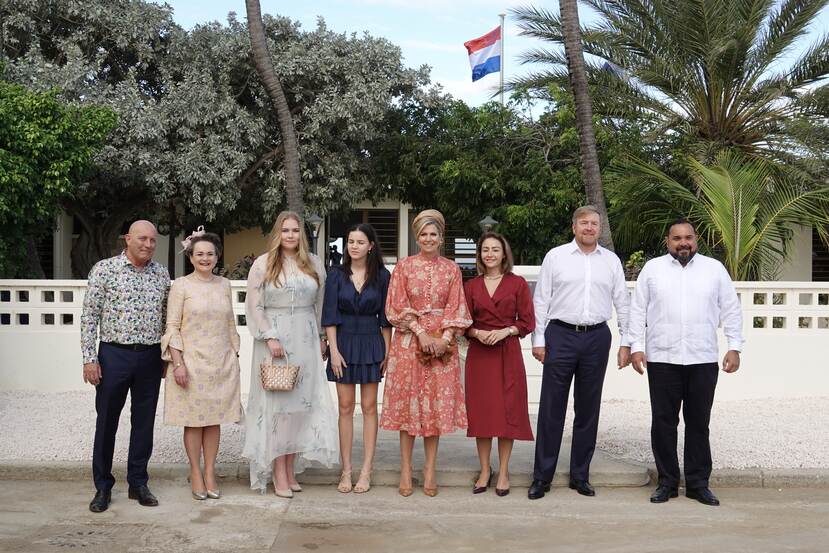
{"points": [[676, 310], [580, 289]]}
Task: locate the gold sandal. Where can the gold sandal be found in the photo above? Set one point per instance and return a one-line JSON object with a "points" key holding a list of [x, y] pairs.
{"points": [[363, 489], [407, 491], [345, 482], [430, 492]]}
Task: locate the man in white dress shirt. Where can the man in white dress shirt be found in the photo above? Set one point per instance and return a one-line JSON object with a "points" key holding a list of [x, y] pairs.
{"points": [[579, 284], [682, 297]]}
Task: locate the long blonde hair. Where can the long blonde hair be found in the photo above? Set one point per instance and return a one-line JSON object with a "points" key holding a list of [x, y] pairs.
{"points": [[303, 258]]}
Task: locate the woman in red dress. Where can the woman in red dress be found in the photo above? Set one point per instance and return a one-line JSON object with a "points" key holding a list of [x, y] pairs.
{"points": [[496, 384], [423, 394]]}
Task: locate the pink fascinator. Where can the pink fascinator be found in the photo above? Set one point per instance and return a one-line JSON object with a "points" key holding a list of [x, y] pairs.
{"points": [[195, 234]]}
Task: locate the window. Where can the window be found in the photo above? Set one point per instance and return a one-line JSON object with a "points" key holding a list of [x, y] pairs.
{"points": [[384, 221]]}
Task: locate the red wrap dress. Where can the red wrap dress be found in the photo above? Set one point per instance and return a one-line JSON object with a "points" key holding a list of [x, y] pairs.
{"points": [[495, 380]]}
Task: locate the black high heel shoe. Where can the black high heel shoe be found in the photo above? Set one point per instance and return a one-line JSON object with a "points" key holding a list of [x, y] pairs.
{"points": [[482, 489]]}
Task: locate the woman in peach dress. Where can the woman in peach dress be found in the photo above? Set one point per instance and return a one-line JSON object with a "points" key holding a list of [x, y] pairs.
{"points": [[423, 395], [201, 345]]}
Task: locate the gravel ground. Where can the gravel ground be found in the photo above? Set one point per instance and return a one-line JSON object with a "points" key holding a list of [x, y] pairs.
{"points": [[770, 433]]}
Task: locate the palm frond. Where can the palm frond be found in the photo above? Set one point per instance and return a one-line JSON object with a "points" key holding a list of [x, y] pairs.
{"points": [[746, 211], [812, 66], [786, 24]]}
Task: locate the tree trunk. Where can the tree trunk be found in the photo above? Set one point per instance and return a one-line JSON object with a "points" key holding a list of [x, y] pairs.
{"points": [[171, 242], [95, 242], [265, 69], [101, 220], [32, 267], [591, 174]]}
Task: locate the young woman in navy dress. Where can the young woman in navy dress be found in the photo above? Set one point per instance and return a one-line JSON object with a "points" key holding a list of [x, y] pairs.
{"points": [[358, 337]]}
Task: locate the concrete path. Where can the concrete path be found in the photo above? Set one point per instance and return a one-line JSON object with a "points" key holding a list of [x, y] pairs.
{"points": [[758, 444], [457, 463], [47, 517]]}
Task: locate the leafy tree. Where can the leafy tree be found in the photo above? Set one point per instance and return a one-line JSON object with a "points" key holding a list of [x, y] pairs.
{"points": [[470, 162], [745, 215], [197, 140], [44, 148], [101, 54]]}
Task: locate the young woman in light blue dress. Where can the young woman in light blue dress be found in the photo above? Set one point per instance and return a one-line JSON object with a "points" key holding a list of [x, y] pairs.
{"points": [[285, 430]]}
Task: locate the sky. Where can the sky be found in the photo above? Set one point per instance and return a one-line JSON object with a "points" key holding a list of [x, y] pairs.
{"points": [[430, 32]]}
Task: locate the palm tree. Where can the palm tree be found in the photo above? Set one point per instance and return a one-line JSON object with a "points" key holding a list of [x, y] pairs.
{"points": [[265, 69], [745, 212], [591, 174], [714, 73]]}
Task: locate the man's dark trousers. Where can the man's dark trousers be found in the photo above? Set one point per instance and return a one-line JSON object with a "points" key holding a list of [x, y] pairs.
{"points": [[691, 387], [570, 355], [139, 373]]}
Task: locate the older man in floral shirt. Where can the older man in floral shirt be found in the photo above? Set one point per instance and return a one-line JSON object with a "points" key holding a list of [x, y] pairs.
{"points": [[124, 307]]}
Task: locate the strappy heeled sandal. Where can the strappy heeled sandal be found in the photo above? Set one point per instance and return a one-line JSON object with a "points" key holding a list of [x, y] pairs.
{"points": [[345, 482], [366, 487]]}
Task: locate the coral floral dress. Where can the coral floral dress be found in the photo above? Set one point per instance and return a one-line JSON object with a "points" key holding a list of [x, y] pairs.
{"points": [[424, 397]]}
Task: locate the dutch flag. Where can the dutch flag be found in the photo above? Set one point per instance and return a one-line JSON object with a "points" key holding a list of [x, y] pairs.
{"points": [[485, 53]]}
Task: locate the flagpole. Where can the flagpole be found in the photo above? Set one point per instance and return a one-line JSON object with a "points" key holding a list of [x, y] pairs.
{"points": [[502, 16]]}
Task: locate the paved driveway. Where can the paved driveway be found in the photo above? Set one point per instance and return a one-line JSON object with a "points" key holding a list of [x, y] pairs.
{"points": [[38, 516]]}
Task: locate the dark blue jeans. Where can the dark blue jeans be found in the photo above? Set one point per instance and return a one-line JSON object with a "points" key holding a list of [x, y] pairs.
{"points": [[570, 356], [139, 373]]}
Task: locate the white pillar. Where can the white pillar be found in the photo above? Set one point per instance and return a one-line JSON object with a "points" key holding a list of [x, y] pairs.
{"points": [[403, 234]]}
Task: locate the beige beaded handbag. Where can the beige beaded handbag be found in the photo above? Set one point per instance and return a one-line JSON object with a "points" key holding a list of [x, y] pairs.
{"points": [[278, 377]]}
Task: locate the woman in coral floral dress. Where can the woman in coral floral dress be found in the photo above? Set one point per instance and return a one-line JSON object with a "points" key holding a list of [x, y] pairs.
{"points": [[423, 394]]}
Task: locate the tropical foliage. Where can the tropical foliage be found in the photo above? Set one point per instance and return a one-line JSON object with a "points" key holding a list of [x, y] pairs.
{"points": [[45, 146], [521, 169], [701, 78], [715, 72], [744, 213]]}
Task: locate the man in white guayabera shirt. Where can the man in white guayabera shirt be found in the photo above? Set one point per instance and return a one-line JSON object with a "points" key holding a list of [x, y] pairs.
{"points": [[680, 300]]}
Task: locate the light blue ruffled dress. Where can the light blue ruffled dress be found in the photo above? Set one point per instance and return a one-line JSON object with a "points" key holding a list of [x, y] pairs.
{"points": [[304, 420]]}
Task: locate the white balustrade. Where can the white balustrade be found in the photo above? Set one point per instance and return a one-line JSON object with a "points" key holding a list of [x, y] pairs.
{"points": [[786, 326]]}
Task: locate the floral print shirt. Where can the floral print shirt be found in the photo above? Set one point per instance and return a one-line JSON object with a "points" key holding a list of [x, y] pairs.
{"points": [[127, 303]]}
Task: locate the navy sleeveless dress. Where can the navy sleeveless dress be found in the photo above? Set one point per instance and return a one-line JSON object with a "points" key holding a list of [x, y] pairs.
{"points": [[358, 318]]}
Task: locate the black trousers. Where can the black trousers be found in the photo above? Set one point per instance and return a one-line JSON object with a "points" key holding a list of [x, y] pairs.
{"points": [[690, 387], [139, 373], [569, 356]]}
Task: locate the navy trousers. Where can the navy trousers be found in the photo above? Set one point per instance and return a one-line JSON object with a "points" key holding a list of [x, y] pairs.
{"points": [[692, 388], [139, 373], [570, 356]]}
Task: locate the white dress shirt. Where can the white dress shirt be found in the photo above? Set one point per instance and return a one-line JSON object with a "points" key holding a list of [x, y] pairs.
{"points": [[676, 311], [579, 288]]}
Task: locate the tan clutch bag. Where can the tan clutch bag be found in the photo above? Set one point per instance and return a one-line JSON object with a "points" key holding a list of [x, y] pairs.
{"points": [[278, 377], [425, 358]]}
